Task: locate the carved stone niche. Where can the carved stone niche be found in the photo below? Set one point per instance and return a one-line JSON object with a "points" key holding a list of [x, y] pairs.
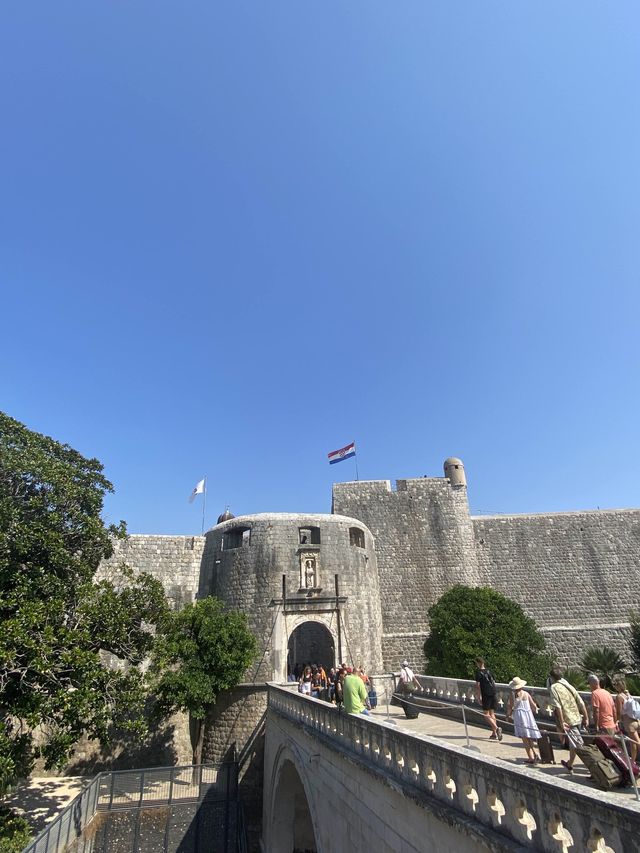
{"points": [[309, 575]]}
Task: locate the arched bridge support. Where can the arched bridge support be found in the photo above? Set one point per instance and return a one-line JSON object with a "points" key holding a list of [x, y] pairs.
{"points": [[317, 799]]}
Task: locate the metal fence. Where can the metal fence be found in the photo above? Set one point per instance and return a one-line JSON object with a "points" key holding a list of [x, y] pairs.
{"points": [[158, 809]]}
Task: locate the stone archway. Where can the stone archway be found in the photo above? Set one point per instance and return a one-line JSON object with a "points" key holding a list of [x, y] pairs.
{"points": [[291, 824], [311, 642]]}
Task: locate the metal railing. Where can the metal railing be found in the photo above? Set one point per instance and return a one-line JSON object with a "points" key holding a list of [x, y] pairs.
{"points": [[210, 786]]}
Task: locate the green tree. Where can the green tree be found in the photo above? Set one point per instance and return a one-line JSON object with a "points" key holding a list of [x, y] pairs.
{"points": [[56, 621], [15, 832], [201, 650], [604, 662], [469, 622]]}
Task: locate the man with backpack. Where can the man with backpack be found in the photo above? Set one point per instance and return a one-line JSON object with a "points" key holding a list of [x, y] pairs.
{"points": [[569, 711], [486, 694]]}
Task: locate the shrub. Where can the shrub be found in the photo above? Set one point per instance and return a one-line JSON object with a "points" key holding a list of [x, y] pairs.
{"points": [[605, 662], [15, 832], [576, 678], [469, 622]]}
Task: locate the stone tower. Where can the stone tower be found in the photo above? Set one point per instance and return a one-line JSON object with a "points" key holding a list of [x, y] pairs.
{"points": [[425, 544]]}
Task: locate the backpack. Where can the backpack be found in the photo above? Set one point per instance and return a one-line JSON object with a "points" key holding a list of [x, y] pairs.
{"points": [[487, 682], [603, 771], [631, 708]]}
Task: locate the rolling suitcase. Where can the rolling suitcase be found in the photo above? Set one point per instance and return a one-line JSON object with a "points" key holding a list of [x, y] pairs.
{"points": [[612, 750], [545, 749], [603, 771], [410, 708]]}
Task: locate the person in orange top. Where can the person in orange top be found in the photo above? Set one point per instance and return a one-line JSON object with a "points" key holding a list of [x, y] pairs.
{"points": [[603, 706]]}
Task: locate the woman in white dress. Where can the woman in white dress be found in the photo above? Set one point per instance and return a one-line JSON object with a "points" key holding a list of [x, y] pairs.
{"points": [[522, 708]]}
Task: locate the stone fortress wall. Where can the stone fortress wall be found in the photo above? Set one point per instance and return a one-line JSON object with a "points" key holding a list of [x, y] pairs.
{"points": [[577, 574], [175, 560], [425, 544], [396, 552]]}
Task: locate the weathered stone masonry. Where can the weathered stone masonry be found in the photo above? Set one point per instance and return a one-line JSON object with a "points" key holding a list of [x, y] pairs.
{"points": [[395, 551], [576, 574]]}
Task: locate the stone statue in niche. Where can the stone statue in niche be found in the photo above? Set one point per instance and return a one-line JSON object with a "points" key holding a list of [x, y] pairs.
{"points": [[310, 573], [308, 578]]}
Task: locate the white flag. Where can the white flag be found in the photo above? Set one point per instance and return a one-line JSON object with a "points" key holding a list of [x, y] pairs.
{"points": [[197, 490]]}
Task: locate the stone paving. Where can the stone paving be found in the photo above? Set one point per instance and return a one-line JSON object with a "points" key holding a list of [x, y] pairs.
{"points": [[40, 799], [510, 749]]}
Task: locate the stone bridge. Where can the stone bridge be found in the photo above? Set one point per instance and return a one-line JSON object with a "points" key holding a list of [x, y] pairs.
{"points": [[334, 782]]}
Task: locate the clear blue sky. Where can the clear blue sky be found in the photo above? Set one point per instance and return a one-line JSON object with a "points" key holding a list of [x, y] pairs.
{"points": [[235, 236]]}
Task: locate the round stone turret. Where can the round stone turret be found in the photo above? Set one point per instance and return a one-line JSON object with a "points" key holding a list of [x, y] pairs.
{"points": [[454, 470]]}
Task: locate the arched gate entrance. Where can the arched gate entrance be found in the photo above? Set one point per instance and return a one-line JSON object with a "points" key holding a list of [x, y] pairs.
{"points": [[311, 642]]}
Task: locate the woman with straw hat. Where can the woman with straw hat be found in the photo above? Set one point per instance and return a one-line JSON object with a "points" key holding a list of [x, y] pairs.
{"points": [[522, 708]]}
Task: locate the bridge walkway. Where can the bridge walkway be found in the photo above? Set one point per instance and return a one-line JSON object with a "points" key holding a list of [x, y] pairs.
{"points": [[509, 749]]}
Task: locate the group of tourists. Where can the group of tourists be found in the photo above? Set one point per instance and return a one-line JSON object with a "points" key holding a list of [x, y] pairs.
{"points": [[612, 715], [350, 688], [346, 686]]}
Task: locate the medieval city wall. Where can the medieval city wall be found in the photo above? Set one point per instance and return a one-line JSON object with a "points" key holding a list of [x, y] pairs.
{"points": [[577, 574], [424, 543], [174, 560]]}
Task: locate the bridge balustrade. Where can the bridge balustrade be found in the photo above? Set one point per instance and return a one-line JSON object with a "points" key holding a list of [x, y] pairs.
{"points": [[535, 810], [460, 691]]}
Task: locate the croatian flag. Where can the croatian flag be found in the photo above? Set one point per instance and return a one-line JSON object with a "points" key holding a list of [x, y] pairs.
{"points": [[344, 453]]}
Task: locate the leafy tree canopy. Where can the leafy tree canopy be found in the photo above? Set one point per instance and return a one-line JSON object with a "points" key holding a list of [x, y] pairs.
{"points": [[15, 832], [469, 622], [201, 650], [56, 621]]}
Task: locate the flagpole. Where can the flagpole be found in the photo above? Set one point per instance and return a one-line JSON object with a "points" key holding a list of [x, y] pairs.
{"points": [[355, 459], [204, 502]]}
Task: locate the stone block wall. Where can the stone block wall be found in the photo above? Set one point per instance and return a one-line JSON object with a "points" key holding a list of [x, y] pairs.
{"points": [[568, 644], [174, 560], [235, 729], [397, 647], [577, 574], [249, 578], [424, 543]]}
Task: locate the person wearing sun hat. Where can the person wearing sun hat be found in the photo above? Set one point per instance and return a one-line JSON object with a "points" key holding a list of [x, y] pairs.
{"points": [[522, 708]]}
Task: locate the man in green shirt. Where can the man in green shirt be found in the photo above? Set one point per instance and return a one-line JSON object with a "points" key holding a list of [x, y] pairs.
{"points": [[355, 699]]}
